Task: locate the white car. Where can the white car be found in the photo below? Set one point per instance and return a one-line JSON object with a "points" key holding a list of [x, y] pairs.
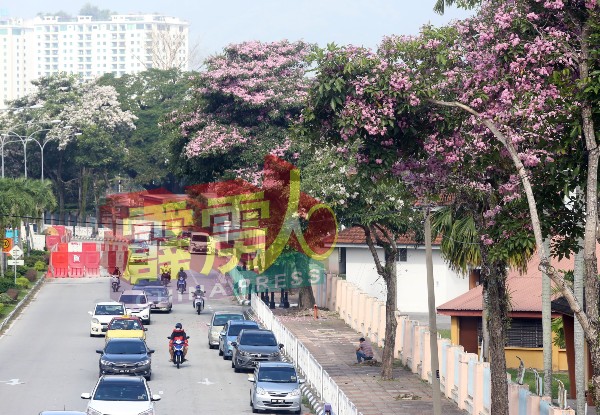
{"points": [[136, 303], [121, 395], [102, 315]]}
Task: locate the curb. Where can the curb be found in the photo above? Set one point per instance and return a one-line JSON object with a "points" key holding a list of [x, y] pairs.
{"points": [[21, 303], [315, 403]]}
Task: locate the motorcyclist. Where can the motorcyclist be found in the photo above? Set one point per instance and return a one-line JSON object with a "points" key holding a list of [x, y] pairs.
{"points": [[198, 293], [115, 277], [165, 273], [181, 275], [178, 334]]}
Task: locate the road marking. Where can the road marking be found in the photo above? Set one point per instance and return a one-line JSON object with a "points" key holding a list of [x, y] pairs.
{"points": [[206, 382], [12, 382]]}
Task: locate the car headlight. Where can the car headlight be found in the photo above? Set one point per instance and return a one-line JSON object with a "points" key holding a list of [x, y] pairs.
{"points": [[228, 343], [106, 362], [243, 353], [295, 392], [147, 412], [260, 391], [144, 362], [275, 354], [95, 321], [91, 411]]}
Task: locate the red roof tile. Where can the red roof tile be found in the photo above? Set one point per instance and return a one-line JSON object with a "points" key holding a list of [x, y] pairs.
{"points": [[356, 236]]}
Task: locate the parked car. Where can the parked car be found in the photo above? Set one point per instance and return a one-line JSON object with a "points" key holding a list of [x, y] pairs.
{"points": [[158, 296], [125, 356], [218, 320], [230, 332], [103, 313], [125, 327], [121, 395], [253, 346], [276, 387], [136, 303]]}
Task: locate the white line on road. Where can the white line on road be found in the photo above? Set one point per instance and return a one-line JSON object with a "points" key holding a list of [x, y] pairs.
{"points": [[206, 382], [12, 382]]}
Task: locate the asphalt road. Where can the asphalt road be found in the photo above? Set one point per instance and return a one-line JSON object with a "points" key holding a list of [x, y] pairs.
{"points": [[47, 358]]}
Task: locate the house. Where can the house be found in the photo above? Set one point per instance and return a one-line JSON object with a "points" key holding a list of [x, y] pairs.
{"points": [[524, 336], [353, 259]]}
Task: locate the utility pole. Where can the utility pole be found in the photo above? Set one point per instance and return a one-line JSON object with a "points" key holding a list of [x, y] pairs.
{"points": [[433, 333]]}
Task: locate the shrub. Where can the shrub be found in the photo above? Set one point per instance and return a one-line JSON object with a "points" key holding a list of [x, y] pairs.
{"points": [[40, 266], [31, 274], [6, 283], [1, 307], [5, 299], [21, 270], [22, 282]]}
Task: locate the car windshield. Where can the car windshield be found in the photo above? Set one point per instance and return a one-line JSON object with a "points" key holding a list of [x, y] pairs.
{"points": [[277, 375], [235, 329], [133, 299], [222, 319], [120, 347], [156, 291], [109, 310], [125, 325], [258, 339], [121, 391]]}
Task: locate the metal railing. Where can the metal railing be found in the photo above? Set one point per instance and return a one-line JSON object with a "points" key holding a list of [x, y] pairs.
{"points": [[319, 380]]}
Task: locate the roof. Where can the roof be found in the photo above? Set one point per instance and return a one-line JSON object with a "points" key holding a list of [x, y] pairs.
{"points": [[275, 364], [109, 303], [525, 299], [525, 292], [356, 236], [121, 378], [242, 323]]}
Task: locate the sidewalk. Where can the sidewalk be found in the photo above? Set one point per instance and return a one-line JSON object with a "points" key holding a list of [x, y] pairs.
{"points": [[333, 345]]}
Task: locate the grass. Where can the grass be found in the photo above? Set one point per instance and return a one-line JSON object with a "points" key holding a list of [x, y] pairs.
{"points": [[444, 333], [529, 379]]}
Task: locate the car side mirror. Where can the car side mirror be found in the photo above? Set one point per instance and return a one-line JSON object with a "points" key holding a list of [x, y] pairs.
{"points": [[301, 381], [187, 337], [155, 398], [169, 337], [222, 333], [86, 396], [104, 329], [208, 324], [145, 328], [100, 351], [280, 345], [234, 344], [151, 351], [251, 378]]}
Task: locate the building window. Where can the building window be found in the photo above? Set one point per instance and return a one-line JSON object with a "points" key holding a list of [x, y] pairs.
{"points": [[402, 255], [523, 332]]}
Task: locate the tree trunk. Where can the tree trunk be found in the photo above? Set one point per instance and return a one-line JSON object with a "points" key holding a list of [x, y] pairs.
{"points": [[494, 281], [579, 339], [547, 328], [387, 360], [306, 298]]}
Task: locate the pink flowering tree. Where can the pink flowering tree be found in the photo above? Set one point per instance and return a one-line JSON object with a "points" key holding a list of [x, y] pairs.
{"points": [[242, 105]]}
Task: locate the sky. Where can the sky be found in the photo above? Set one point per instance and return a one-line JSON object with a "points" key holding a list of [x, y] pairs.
{"points": [[215, 24]]}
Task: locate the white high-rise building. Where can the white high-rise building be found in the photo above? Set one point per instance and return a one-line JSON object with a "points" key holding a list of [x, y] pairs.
{"points": [[125, 44]]}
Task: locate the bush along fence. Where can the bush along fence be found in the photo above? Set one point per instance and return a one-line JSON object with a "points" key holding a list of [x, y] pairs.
{"points": [[463, 378], [325, 387]]}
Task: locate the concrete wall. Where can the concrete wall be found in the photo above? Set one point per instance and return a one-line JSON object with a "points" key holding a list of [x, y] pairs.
{"points": [[412, 278]]}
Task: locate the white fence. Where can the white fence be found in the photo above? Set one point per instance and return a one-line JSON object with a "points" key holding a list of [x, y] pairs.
{"points": [[311, 370]]}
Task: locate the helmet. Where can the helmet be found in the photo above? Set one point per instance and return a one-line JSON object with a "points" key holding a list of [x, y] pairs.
{"points": [[181, 269], [197, 287], [178, 326]]}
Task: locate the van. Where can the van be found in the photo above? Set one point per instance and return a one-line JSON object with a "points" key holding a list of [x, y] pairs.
{"points": [[201, 243]]}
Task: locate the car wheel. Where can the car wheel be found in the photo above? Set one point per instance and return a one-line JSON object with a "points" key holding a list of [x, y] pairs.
{"points": [[232, 363], [299, 411], [99, 372], [147, 322], [254, 410], [236, 369], [220, 352], [224, 357], [91, 335], [149, 376]]}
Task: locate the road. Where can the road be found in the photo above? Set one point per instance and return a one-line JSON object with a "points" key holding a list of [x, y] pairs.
{"points": [[47, 358]]}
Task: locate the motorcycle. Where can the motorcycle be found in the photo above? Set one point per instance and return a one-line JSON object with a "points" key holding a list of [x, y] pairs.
{"points": [[115, 283], [165, 278], [198, 301], [178, 346], [181, 285]]}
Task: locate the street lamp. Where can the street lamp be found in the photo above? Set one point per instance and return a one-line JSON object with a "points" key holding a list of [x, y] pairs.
{"points": [[45, 141]]}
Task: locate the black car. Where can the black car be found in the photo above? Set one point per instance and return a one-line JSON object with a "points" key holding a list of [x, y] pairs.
{"points": [[126, 356], [145, 282], [253, 346]]}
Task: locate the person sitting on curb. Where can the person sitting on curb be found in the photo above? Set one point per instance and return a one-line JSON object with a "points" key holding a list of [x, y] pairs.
{"points": [[364, 351]]}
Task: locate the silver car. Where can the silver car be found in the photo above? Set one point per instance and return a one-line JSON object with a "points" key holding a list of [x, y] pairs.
{"points": [[276, 387], [158, 297], [253, 346], [217, 322]]}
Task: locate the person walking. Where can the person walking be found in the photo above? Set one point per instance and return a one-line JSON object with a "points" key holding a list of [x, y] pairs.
{"points": [[364, 351]]}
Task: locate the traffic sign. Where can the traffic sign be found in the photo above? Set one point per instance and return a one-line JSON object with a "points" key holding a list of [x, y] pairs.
{"points": [[15, 262], [7, 244], [16, 252]]}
